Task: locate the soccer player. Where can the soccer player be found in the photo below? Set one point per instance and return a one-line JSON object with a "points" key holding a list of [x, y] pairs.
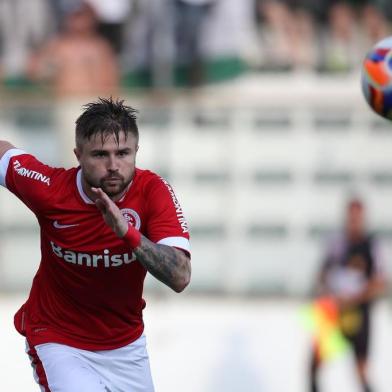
{"points": [[103, 225], [352, 274]]}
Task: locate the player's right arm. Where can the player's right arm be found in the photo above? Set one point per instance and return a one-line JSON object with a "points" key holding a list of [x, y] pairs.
{"points": [[26, 177], [4, 147]]}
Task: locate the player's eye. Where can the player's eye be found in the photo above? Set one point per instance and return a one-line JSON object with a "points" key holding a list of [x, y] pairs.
{"points": [[99, 154]]}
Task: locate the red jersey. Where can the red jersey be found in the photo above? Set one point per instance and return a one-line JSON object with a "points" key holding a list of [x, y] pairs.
{"points": [[87, 292]]}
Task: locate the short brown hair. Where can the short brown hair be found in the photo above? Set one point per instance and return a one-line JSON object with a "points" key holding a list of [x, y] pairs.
{"points": [[105, 117]]}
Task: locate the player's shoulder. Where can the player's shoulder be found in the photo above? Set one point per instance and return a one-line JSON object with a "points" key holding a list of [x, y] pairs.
{"points": [[26, 165], [150, 180], [28, 160]]}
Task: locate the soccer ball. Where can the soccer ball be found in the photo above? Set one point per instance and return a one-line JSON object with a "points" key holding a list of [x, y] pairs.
{"points": [[377, 78]]}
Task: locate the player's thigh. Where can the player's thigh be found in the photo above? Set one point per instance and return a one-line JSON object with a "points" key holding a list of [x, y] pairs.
{"points": [[66, 371], [129, 367]]}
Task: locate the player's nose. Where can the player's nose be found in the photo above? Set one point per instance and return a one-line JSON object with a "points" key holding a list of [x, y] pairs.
{"points": [[112, 163]]}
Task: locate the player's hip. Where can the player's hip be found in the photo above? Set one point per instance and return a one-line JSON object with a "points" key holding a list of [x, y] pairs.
{"points": [[63, 368]]}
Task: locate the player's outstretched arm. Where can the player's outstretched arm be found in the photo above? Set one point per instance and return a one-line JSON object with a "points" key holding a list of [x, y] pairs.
{"points": [[169, 265], [4, 147]]}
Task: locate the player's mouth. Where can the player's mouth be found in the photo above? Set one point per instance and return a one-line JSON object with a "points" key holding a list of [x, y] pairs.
{"points": [[112, 183], [112, 179]]}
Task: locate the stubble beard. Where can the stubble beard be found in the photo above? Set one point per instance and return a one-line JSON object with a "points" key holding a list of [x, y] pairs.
{"points": [[111, 191]]}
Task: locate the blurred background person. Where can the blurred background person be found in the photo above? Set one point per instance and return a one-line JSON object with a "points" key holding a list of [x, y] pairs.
{"points": [[343, 41], [324, 35], [353, 274], [354, 26], [78, 64], [112, 17], [16, 43], [376, 20], [148, 54], [190, 19], [78, 61], [287, 37]]}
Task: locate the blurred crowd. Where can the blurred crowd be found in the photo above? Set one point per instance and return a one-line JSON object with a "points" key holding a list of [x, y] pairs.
{"points": [[325, 35], [93, 45]]}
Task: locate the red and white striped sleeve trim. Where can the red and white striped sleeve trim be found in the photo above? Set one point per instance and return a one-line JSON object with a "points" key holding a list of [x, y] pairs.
{"points": [[177, 242], [4, 162]]}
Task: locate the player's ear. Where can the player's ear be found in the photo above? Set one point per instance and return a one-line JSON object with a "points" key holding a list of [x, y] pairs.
{"points": [[77, 153]]}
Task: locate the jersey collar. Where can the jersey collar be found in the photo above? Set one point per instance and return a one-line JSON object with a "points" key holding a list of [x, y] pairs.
{"points": [[82, 194]]}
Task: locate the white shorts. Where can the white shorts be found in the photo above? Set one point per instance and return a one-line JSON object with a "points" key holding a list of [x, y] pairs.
{"points": [[61, 368]]}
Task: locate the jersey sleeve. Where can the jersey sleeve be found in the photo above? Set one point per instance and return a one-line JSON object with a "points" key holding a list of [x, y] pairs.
{"points": [[166, 223], [28, 178]]}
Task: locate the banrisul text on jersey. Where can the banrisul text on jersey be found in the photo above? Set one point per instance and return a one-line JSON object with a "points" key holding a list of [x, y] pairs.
{"points": [[92, 260]]}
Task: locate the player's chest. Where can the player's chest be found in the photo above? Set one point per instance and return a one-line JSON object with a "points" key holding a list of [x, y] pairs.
{"points": [[84, 228]]}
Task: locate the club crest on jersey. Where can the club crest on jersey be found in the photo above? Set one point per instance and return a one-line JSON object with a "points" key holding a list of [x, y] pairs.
{"points": [[131, 217]]}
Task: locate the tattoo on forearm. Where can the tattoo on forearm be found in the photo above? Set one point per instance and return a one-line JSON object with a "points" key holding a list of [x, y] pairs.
{"points": [[164, 262]]}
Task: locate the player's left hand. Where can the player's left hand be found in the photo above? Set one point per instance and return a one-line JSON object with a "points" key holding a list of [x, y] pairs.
{"points": [[110, 212]]}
